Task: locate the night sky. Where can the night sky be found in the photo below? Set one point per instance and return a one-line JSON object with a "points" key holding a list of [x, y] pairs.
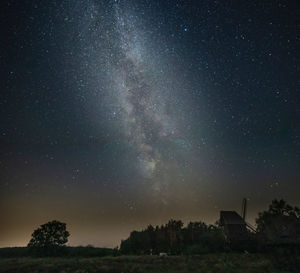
{"points": [[119, 114]]}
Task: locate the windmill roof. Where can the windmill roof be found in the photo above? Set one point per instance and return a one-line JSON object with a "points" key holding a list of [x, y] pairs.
{"points": [[231, 218]]}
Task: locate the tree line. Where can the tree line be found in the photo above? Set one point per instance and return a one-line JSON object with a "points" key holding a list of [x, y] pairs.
{"points": [[279, 225], [173, 238]]}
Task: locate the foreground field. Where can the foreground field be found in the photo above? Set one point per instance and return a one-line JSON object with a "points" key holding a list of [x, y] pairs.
{"points": [[233, 263]]}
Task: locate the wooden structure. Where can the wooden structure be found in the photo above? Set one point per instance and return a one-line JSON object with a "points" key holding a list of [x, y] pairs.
{"points": [[235, 227]]}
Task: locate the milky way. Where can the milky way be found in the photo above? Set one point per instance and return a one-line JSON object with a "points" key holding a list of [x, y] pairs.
{"points": [[142, 100], [138, 92]]}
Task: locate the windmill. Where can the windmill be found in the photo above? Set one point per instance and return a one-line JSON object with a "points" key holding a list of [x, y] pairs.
{"points": [[235, 227]]}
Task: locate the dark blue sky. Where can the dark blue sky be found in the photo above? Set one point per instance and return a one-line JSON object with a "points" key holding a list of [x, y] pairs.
{"points": [[126, 113]]}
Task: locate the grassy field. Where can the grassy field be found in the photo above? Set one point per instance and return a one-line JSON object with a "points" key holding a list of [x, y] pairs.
{"points": [[229, 263]]}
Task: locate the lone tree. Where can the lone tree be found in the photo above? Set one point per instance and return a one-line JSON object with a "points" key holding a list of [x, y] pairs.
{"points": [[49, 239]]}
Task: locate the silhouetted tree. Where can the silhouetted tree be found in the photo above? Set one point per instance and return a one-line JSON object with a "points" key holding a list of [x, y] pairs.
{"points": [[280, 223], [49, 239], [194, 231], [174, 236], [152, 238]]}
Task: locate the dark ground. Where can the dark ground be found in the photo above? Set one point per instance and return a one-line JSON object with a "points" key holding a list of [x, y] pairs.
{"points": [[222, 262]]}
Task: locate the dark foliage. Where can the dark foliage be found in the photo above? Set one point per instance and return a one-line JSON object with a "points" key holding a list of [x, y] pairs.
{"points": [[286, 258], [173, 238], [49, 239], [280, 224]]}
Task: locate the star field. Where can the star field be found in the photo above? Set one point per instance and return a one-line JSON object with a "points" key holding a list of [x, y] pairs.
{"points": [[119, 114]]}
